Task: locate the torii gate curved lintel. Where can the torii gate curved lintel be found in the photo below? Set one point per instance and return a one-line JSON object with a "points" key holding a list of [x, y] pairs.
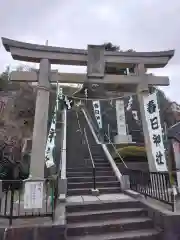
{"points": [[34, 53]]}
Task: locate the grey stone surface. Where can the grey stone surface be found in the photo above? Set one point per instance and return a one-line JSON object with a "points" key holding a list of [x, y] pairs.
{"points": [[102, 197], [95, 192], [53, 232], [133, 193], [125, 184], [62, 186], [62, 197], [60, 214], [122, 139], [32, 52], [163, 218], [96, 61], [113, 197], [19, 233], [81, 78], [35, 233], [75, 199], [40, 122], [90, 198]]}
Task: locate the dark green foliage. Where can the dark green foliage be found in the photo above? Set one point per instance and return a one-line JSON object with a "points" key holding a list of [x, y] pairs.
{"points": [[116, 70], [4, 79], [110, 47]]}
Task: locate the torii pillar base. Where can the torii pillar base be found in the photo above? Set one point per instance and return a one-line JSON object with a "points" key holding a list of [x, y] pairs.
{"points": [[122, 139]]}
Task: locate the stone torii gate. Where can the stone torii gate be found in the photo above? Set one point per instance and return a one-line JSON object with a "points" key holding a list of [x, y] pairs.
{"points": [[95, 58]]}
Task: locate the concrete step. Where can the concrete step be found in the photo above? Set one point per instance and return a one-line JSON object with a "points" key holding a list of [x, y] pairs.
{"points": [[88, 173], [104, 164], [100, 206], [90, 179], [97, 159], [89, 169], [109, 226], [146, 234], [88, 164], [98, 151], [94, 155], [96, 146], [90, 184], [105, 214], [87, 191]]}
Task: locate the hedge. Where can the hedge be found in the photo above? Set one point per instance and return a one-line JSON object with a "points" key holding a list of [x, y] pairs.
{"points": [[136, 151]]}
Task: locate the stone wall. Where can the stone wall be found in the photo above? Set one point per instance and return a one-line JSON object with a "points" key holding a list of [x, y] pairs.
{"points": [[33, 232], [168, 221]]}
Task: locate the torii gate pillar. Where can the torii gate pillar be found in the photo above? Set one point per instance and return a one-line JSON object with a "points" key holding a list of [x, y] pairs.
{"points": [[40, 122]]}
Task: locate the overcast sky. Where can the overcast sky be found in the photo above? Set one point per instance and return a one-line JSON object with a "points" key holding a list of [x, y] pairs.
{"points": [[143, 25]]}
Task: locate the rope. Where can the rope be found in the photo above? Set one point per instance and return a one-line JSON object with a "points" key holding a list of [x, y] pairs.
{"points": [[43, 88], [96, 99]]}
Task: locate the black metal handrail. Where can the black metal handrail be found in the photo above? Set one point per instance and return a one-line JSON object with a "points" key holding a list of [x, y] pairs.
{"points": [[115, 149], [95, 127], [98, 133], [92, 160], [156, 185]]}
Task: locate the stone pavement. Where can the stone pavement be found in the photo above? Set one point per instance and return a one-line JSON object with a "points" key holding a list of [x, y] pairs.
{"points": [[100, 198], [155, 204], [163, 207], [43, 228]]}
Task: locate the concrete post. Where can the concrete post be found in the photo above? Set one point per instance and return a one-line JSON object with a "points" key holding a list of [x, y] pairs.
{"points": [[121, 136], [40, 122], [176, 149], [120, 117], [63, 180]]}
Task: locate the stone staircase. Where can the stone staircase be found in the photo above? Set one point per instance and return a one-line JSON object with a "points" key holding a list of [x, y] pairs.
{"points": [[114, 220], [99, 218], [80, 180], [80, 176]]}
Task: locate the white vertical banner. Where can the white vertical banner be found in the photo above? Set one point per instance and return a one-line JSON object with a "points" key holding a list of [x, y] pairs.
{"points": [[97, 112], [33, 195], [52, 132], [59, 94], [135, 115], [155, 131], [120, 117]]}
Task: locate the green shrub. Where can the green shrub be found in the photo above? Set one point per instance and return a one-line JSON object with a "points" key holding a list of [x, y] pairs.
{"points": [[136, 151]]}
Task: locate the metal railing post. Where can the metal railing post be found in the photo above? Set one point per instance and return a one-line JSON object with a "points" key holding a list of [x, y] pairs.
{"points": [[116, 151], [154, 185], [94, 176], [11, 204], [109, 139]]}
